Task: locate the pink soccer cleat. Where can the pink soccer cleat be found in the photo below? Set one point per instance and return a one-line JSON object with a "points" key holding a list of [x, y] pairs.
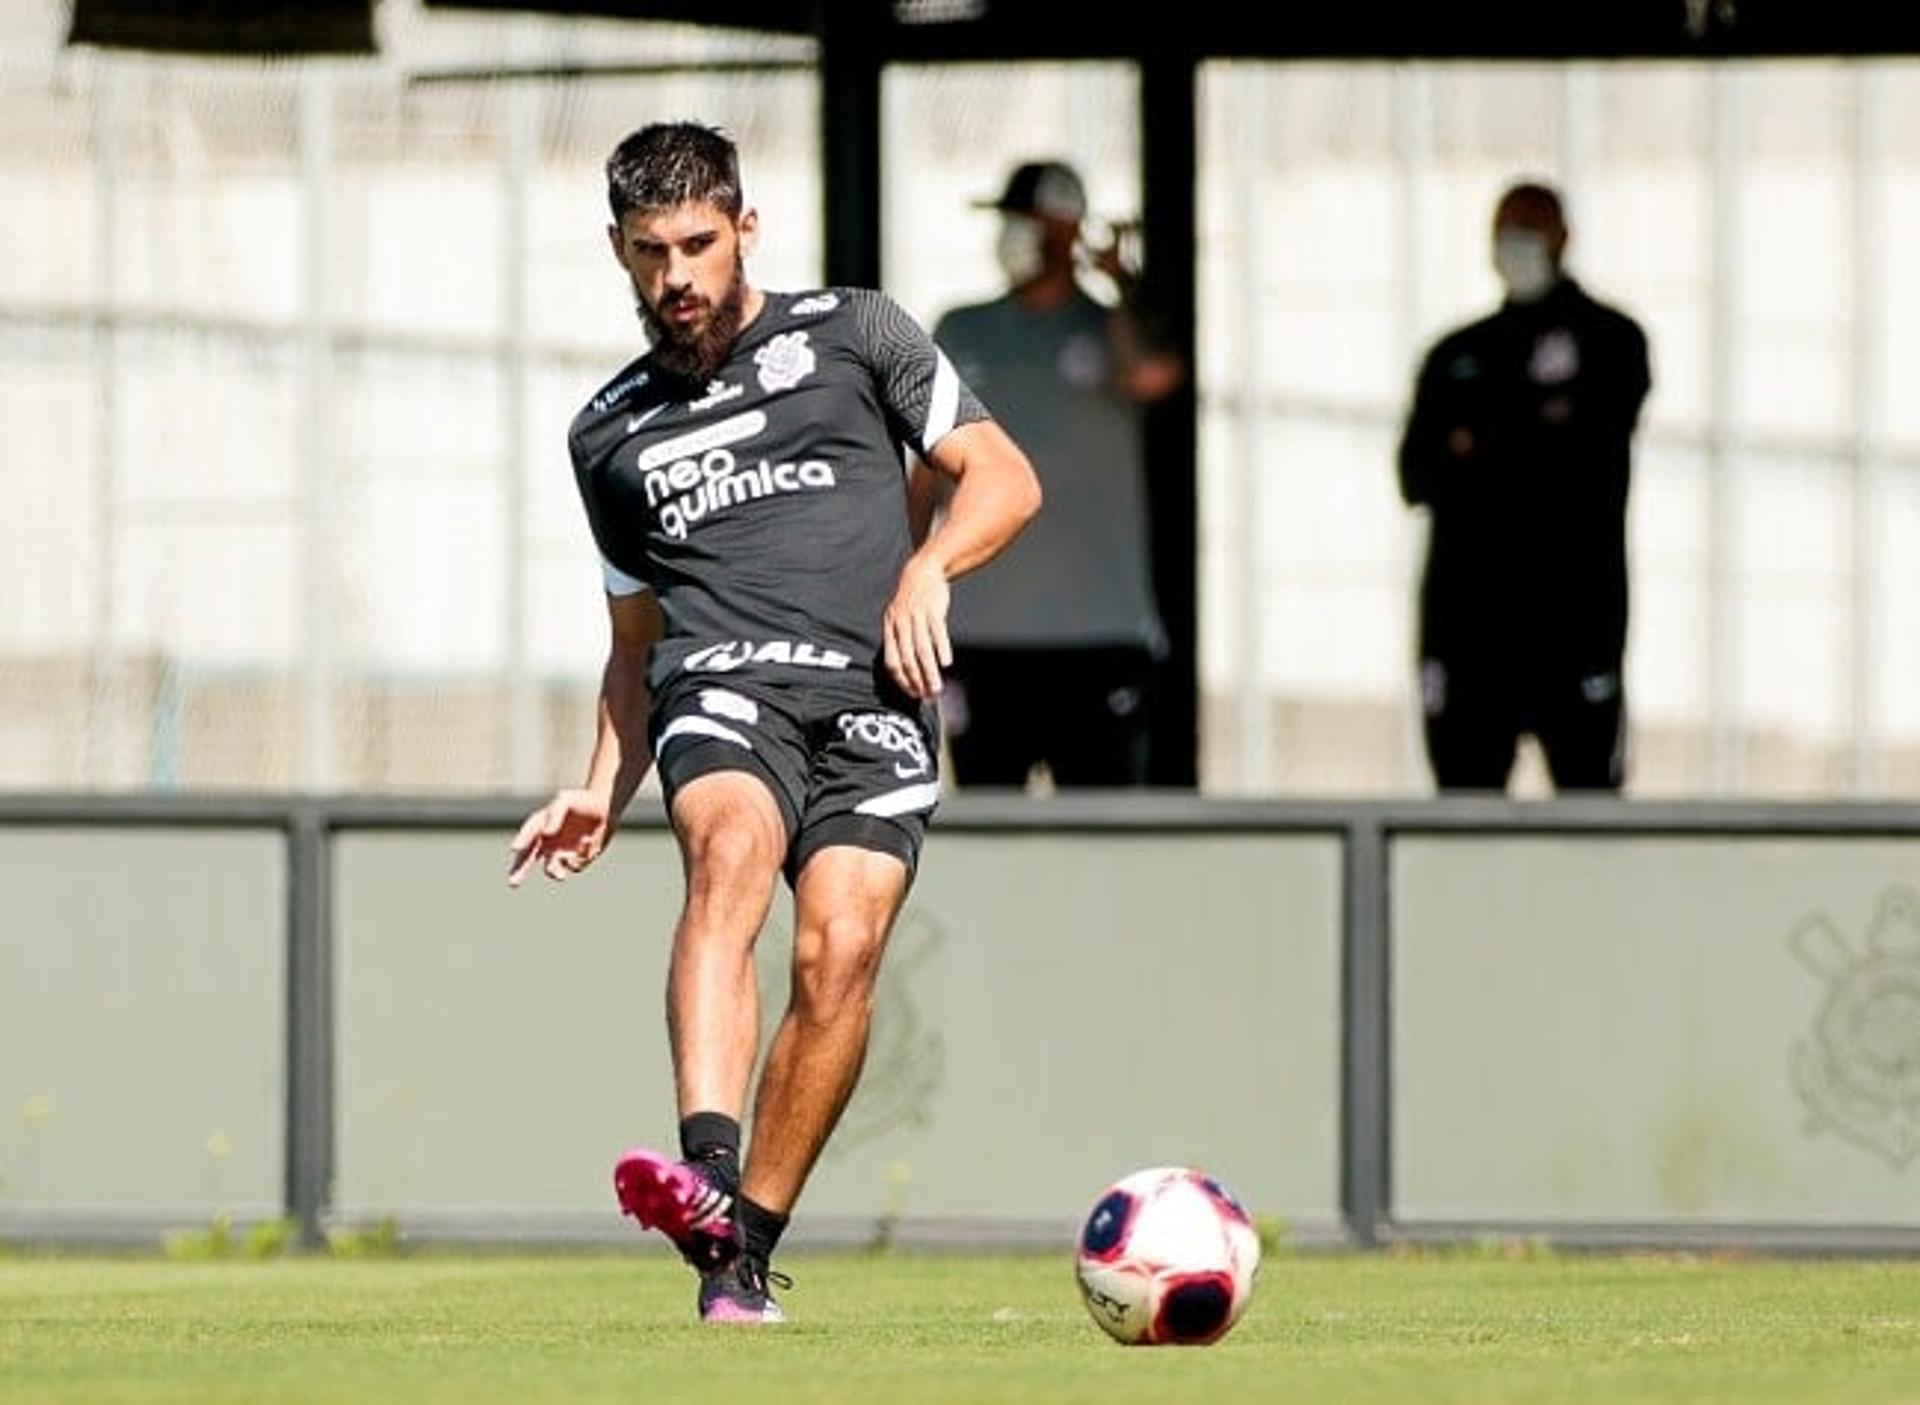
{"points": [[684, 1200], [741, 1292]]}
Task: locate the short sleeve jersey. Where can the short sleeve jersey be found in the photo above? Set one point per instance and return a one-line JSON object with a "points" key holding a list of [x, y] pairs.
{"points": [[767, 508]]}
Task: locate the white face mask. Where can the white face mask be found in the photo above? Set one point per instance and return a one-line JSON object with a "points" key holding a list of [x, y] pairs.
{"points": [[1021, 248], [1525, 264]]}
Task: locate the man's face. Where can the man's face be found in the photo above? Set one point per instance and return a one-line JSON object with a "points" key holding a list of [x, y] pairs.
{"points": [[1521, 214], [687, 267]]}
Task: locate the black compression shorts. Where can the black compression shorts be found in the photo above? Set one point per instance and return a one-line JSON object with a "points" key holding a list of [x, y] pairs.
{"points": [[845, 763]]}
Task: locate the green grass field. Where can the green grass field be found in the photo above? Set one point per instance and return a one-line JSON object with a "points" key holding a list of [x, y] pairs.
{"points": [[903, 1328]]}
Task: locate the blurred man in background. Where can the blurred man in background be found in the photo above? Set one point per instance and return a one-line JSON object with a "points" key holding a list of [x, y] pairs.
{"points": [[1519, 445], [777, 641], [1056, 645]]}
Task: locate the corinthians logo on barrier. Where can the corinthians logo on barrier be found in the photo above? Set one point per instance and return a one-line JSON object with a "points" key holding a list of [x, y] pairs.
{"points": [[1858, 1073]]}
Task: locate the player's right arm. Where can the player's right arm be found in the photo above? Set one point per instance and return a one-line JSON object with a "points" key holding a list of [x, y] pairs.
{"points": [[571, 830]]}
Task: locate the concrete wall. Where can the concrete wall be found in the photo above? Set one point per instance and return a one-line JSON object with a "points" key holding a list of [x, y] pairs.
{"points": [[142, 1022], [1586, 1020], [1054, 1010], [1657, 1028]]}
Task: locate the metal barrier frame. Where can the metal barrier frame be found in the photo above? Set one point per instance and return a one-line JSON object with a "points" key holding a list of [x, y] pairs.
{"points": [[1367, 830]]}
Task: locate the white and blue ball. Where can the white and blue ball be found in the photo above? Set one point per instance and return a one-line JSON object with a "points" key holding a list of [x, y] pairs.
{"points": [[1167, 1256]]}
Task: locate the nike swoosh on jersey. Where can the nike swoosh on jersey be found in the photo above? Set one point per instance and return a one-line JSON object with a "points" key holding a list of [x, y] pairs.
{"points": [[635, 421]]}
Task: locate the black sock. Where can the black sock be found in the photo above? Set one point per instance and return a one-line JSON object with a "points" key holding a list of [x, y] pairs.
{"points": [[713, 1137], [760, 1228]]}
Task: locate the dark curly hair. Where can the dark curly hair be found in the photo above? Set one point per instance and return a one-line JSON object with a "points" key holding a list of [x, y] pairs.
{"points": [[668, 164]]}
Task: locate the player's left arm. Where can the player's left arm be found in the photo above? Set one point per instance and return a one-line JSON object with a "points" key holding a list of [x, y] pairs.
{"points": [[927, 490], [995, 494], [923, 499]]}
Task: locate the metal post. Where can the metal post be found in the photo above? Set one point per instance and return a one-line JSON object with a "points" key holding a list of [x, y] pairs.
{"points": [[523, 760], [1723, 275], [317, 667], [1366, 1078], [850, 138], [1579, 120], [1413, 140], [1869, 137], [1250, 114], [309, 1033], [1169, 158], [101, 729]]}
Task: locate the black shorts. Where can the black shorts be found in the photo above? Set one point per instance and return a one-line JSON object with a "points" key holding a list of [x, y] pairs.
{"points": [[847, 762]]}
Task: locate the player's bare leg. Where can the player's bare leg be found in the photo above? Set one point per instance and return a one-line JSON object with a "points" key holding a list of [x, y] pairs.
{"points": [[844, 903], [732, 840]]}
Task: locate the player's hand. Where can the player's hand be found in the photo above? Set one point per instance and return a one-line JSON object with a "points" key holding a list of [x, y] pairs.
{"points": [[562, 837], [914, 629]]}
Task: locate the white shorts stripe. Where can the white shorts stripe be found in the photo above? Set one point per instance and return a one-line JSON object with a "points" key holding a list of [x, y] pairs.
{"points": [[944, 403], [904, 801], [702, 727]]}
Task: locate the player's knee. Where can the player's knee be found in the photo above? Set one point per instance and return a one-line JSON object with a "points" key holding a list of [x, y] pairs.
{"points": [[732, 849], [730, 856], [835, 966]]}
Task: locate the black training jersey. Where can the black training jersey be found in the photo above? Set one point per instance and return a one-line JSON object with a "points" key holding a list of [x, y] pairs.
{"points": [[767, 508]]}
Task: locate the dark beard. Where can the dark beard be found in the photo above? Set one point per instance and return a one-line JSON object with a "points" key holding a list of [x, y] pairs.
{"points": [[697, 356]]}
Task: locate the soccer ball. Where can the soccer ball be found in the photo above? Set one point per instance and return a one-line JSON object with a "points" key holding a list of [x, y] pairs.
{"points": [[1167, 1256]]}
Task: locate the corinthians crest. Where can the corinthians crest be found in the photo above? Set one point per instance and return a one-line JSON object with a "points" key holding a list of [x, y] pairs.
{"points": [[1858, 1073], [784, 362]]}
